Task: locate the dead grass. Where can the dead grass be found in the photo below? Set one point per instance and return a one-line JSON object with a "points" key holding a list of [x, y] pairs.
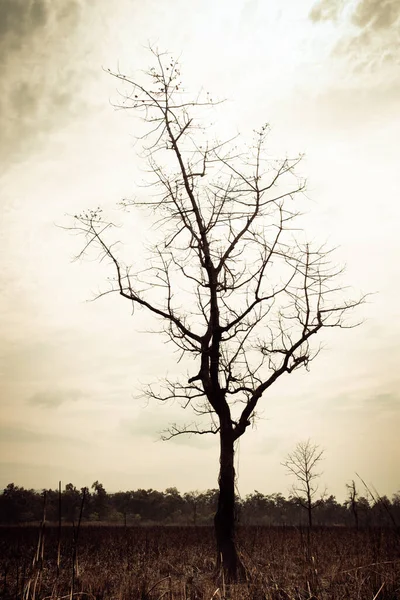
{"points": [[178, 563]]}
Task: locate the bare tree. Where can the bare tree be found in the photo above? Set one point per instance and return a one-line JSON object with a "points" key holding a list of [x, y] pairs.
{"points": [[352, 500], [193, 499], [302, 463], [232, 285]]}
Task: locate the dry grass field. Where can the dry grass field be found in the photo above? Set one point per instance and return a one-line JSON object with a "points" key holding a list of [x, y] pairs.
{"points": [[178, 563]]}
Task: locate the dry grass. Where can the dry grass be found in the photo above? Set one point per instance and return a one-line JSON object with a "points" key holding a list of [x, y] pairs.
{"points": [[177, 563]]}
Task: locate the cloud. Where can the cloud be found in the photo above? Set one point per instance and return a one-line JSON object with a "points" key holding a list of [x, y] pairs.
{"points": [[20, 17], [270, 444], [148, 423], [326, 10], [363, 404], [370, 19], [366, 47], [38, 84], [249, 11], [20, 435], [42, 475], [374, 46], [152, 424], [54, 398], [376, 14], [382, 403], [350, 105]]}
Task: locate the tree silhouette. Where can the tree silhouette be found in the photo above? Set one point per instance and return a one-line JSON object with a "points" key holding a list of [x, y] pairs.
{"points": [[302, 463], [99, 500], [352, 500], [233, 286]]}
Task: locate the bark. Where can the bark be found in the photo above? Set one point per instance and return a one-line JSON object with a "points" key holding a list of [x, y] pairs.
{"points": [[227, 557]]}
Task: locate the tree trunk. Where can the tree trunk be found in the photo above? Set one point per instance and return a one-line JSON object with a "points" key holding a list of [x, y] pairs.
{"points": [[224, 520], [309, 504], [309, 508]]}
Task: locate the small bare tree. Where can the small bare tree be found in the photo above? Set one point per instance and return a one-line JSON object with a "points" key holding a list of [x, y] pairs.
{"points": [[302, 463], [232, 285], [352, 500]]}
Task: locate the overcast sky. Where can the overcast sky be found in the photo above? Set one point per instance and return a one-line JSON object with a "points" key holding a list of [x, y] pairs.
{"points": [[326, 76]]}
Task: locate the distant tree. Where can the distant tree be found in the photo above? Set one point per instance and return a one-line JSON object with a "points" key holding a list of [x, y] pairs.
{"points": [[121, 502], [173, 494], [210, 504], [100, 505], [381, 505], [382, 511], [328, 512], [86, 498], [10, 503], [352, 501], [71, 501], [232, 285], [302, 463], [194, 499], [396, 506], [52, 505], [364, 510], [173, 504], [258, 509], [19, 505]]}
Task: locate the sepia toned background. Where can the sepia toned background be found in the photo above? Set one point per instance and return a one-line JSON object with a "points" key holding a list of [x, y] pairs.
{"points": [[326, 76]]}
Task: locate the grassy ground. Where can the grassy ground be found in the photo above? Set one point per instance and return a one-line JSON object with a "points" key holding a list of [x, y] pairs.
{"points": [[178, 563]]}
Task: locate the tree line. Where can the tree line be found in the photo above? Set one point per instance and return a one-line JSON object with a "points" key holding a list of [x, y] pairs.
{"points": [[170, 507]]}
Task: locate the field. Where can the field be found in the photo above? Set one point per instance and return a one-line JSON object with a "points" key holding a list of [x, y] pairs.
{"points": [[178, 563]]}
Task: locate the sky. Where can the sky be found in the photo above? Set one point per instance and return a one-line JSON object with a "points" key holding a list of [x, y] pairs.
{"points": [[325, 75]]}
